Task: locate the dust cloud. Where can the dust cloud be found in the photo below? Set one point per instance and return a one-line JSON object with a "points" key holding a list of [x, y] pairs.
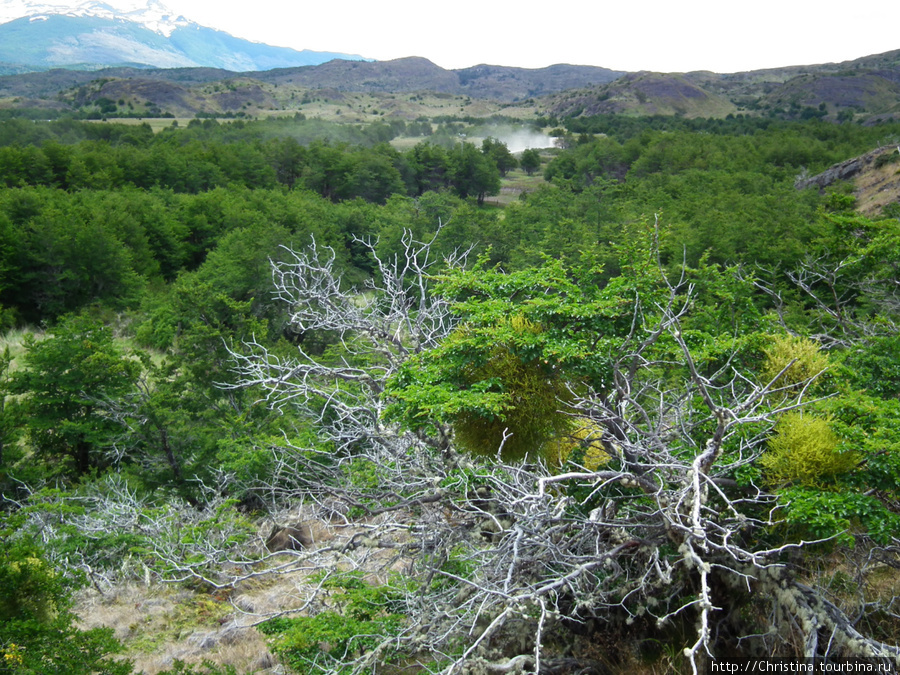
{"points": [[518, 139]]}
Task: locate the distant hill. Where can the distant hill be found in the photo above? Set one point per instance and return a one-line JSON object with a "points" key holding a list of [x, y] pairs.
{"points": [[865, 87], [643, 93], [413, 74], [93, 43], [188, 91]]}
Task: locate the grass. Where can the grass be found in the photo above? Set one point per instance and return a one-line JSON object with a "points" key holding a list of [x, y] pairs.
{"points": [[513, 185], [14, 339], [877, 186], [359, 108], [158, 624]]}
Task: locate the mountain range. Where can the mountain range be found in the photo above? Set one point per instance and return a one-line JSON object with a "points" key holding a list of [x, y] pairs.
{"points": [[90, 35], [138, 58]]}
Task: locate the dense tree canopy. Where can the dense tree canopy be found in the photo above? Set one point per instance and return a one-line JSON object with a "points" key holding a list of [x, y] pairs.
{"points": [[654, 398]]}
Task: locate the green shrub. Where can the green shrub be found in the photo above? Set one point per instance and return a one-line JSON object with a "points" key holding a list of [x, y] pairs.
{"points": [[37, 631], [886, 158], [812, 513], [205, 668], [361, 617], [532, 395]]}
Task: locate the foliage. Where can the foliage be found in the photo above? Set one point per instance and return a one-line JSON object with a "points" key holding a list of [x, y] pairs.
{"points": [[582, 445], [38, 632], [362, 613], [497, 151], [65, 378], [111, 528], [530, 161], [472, 173], [635, 362], [9, 422], [495, 373], [804, 450], [844, 516], [793, 360], [205, 668], [659, 511], [530, 391]]}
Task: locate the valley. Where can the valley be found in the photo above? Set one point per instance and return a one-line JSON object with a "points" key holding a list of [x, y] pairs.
{"points": [[367, 367]]}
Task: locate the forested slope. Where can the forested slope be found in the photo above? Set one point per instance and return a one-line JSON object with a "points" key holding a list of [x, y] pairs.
{"points": [[643, 417]]}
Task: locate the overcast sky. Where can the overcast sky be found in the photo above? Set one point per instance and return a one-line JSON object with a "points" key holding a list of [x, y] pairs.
{"points": [[661, 35]]}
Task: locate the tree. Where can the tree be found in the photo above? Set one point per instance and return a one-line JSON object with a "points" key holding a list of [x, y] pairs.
{"points": [[378, 327], [472, 173], [657, 522], [67, 260], [373, 177], [530, 161], [8, 414], [287, 157], [429, 166], [500, 154], [65, 378]]}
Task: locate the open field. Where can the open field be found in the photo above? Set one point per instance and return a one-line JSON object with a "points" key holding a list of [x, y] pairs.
{"points": [[514, 185], [360, 108]]}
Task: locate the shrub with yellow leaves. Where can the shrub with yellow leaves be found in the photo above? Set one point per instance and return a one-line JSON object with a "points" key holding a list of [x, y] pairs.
{"points": [[804, 450], [584, 436], [800, 358]]}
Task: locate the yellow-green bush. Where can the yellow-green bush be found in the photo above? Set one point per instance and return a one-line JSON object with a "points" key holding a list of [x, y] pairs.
{"points": [[809, 361], [804, 450], [584, 435]]}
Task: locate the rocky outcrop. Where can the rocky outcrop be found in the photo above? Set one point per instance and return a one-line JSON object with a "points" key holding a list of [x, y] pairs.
{"points": [[843, 171]]}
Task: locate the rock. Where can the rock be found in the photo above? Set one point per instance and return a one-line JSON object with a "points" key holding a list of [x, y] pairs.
{"points": [[838, 172], [294, 538]]}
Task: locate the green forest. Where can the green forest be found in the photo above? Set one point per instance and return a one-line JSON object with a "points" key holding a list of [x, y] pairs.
{"points": [[643, 417]]}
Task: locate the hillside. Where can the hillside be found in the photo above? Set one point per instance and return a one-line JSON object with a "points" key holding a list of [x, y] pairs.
{"points": [[188, 91], [858, 90], [875, 177], [644, 94], [862, 87]]}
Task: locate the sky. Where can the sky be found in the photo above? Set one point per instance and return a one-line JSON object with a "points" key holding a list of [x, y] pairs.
{"points": [[667, 36], [659, 35]]}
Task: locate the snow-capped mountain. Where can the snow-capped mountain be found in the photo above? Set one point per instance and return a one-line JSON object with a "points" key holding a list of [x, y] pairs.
{"points": [[151, 14], [90, 34]]}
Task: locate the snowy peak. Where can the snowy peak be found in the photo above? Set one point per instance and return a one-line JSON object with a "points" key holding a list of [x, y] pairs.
{"points": [[151, 14], [94, 34]]}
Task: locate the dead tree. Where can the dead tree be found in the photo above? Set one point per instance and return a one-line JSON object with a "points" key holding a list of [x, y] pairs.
{"points": [[661, 535], [377, 327]]}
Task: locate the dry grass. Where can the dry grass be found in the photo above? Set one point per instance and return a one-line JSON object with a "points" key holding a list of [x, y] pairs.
{"points": [[876, 187], [513, 185], [159, 623], [359, 107]]}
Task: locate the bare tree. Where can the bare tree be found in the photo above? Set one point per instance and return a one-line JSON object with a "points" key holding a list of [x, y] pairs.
{"points": [[507, 558], [377, 328]]}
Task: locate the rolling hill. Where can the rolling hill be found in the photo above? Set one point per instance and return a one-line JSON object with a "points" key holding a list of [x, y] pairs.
{"points": [[152, 63]]}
